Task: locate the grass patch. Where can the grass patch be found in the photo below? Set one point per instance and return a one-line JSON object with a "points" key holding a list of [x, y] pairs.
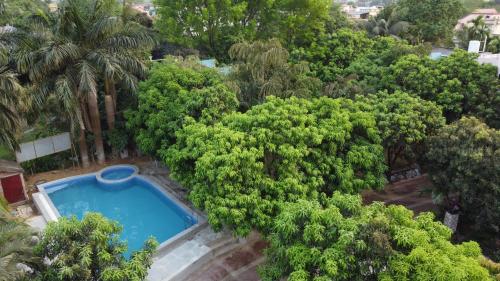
{"points": [[6, 153]]}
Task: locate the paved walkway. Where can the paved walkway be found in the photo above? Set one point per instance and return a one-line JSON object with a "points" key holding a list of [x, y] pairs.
{"points": [[410, 193], [239, 265]]}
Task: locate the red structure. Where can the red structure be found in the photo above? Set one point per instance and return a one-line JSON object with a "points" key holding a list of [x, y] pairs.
{"points": [[12, 185]]}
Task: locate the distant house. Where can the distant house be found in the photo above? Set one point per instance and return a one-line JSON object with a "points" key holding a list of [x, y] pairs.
{"points": [[52, 7], [358, 12], [12, 185], [146, 8], [491, 18]]}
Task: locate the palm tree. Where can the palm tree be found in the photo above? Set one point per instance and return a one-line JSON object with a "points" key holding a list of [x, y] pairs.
{"points": [[262, 68], [386, 27], [71, 52], [10, 101], [494, 45], [387, 23], [479, 30], [16, 247]]}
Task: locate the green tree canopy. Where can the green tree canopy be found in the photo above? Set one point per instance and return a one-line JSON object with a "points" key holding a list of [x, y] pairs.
{"points": [[89, 250], [328, 55], [173, 92], [240, 169], [214, 26], [431, 20], [372, 70], [262, 68], [404, 121], [464, 161], [340, 239], [296, 23], [458, 83]]}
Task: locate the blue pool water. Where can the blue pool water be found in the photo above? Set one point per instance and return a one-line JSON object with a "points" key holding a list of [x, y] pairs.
{"points": [[137, 205]]}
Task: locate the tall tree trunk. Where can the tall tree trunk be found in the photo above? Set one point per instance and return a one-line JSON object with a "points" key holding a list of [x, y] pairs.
{"points": [[109, 101], [82, 142], [84, 153], [96, 125], [85, 116]]}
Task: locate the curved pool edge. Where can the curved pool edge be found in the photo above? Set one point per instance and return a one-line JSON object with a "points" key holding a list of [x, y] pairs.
{"points": [[100, 178], [50, 213]]}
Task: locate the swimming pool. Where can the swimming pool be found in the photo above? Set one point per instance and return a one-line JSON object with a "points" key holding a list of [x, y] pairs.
{"points": [[139, 205]]}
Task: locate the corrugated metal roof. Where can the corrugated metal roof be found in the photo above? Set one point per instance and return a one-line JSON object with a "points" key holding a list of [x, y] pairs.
{"points": [[10, 167]]}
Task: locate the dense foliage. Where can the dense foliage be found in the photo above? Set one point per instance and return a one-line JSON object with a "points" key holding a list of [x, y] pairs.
{"points": [[89, 250], [464, 162], [17, 12], [240, 169], [458, 83], [296, 23], [213, 26], [173, 93], [431, 20], [404, 121], [16, 245], [11, 102], [340, 239], [330, 54], [262, 68]]}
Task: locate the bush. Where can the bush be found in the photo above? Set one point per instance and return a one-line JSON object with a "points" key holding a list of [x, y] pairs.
{"points": [[340, 239], [89, 250]]}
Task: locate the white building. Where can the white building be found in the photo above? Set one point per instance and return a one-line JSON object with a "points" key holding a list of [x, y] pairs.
{"points": [[355, 12], [491, 18]]}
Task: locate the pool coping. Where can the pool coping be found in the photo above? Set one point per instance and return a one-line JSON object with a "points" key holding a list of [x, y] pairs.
{"points": [[99, 174], [50, 213]]}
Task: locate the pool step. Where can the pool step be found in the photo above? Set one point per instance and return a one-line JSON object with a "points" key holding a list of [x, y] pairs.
{"points": [[181, 261], [218, 248]]}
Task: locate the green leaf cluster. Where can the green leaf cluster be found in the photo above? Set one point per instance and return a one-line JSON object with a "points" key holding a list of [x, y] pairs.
{"points": [[340, 239], [458, 83], [173, 94], [17, 12], [431, 20], [16, 244], [88, 250], [214, 26], [239, 169], [331, 53], [464, 164], [404, 121]]}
